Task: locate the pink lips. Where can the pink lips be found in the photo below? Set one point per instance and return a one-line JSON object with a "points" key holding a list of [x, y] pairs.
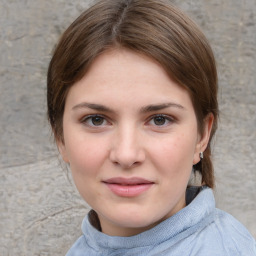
{"points": [[128, 187]]}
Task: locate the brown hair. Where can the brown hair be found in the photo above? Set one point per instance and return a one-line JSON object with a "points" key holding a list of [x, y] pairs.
{"points": [[151, 27]]}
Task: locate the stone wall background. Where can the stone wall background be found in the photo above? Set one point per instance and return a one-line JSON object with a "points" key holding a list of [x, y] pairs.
{"points": [[40, 210]]}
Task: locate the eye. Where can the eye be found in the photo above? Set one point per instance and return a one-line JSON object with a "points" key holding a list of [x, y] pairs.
{"points": [[94, 120], [160, 120]]}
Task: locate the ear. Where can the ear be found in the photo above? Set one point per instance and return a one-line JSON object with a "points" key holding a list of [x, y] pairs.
{"points": [[62, 149], [203, 138]]}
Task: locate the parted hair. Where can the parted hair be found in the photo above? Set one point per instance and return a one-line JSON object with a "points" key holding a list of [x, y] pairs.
{"points": [[154, 28]]}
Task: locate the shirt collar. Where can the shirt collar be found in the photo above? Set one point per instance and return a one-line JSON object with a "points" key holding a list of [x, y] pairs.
{"points": [[200, 205]]}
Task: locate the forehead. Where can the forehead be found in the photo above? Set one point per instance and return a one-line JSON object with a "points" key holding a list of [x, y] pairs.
{"points": [[124, 63], [126, 76]]}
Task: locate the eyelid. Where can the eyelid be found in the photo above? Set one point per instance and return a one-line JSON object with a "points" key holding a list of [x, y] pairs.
{"points": [[169, 118], [84, 120]]}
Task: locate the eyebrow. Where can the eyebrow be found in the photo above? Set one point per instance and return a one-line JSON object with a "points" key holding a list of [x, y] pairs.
{"points": [[156, 107], [93, 106], [149, 108]]}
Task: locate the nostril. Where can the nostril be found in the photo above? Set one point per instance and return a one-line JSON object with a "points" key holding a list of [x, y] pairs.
{"points": [[127, 155], [126, 165]]}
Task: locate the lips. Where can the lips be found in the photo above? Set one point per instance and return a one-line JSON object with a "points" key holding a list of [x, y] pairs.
{"points": [[130, 187]]}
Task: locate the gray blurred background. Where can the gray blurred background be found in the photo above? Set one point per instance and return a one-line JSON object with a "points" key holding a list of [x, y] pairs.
{"points": [[40, 210]]}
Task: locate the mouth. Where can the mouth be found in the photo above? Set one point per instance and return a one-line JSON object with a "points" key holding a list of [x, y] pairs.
{"points": [[130, 187]]}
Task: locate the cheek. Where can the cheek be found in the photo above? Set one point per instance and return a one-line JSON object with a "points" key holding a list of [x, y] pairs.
{"points": [[86, 159], [86, 155], [174, 153]]}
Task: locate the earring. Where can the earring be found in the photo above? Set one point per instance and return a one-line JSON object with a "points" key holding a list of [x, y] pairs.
{"points": [[201, 155]]}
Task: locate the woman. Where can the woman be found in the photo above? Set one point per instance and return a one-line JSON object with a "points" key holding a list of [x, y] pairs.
{"points": [[132, 101]]}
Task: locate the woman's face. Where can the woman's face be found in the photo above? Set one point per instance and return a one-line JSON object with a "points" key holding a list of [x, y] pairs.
{"points": [[131, 138]]}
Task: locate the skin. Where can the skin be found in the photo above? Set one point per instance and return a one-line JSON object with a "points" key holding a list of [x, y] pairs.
{"points": [[128, 138]]}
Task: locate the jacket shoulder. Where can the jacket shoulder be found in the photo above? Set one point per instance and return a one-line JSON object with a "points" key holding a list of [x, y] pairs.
{"points": [[236, 239]]}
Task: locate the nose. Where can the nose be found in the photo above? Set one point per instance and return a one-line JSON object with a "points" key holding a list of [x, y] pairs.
{"points": [[127, 150]]}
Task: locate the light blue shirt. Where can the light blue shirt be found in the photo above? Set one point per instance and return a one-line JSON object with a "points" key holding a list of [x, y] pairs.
{"points": [[199, 229]]}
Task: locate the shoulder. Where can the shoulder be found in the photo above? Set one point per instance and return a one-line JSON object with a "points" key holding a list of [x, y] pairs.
{"points": [[232, 235], [217, 232]]}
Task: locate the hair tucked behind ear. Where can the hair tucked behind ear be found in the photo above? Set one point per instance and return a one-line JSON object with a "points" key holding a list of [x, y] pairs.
{"points": [[151, 27]]}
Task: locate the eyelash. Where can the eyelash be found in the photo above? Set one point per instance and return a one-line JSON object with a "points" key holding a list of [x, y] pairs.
{"points": [[166, 118], [88, 120]]}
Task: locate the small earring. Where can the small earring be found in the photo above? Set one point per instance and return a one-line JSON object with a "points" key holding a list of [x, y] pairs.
{"points": [[201, 155]]}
